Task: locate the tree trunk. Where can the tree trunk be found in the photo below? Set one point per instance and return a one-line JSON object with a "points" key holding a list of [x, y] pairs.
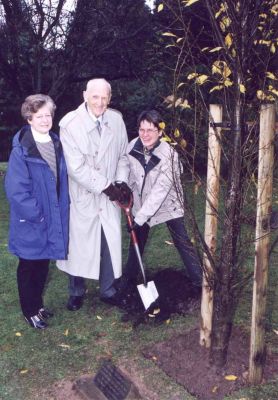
{"points": [[224, 299], [264, 200]]}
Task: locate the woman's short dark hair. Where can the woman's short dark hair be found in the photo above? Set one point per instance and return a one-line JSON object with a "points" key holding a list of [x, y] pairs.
{"points": [[152, 116], [33, 103]]}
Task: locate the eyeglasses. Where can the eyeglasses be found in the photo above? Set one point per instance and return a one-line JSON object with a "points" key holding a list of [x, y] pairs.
{"points": [[150, 131]]}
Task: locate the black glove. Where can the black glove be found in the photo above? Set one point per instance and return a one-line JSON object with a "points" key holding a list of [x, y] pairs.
{"points": [[126, 191], [133, 227], [114, 193]]}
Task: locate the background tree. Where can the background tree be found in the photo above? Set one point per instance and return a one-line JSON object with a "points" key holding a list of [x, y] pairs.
{"points": [[44, 47]]}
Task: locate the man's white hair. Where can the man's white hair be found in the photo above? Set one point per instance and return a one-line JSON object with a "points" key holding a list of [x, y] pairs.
{"points": [[97, 81]]}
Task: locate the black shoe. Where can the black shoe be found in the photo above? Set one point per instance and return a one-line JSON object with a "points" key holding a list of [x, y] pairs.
{"points": [[74, 303], [44, 313], [36, 322], [115, 300]]}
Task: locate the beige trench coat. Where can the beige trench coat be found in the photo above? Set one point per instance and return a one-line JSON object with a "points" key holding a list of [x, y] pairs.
{"points": [[93, 161], [157, 190]]}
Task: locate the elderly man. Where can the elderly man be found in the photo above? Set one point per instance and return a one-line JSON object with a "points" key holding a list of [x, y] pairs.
{"points": [[94, 141]]}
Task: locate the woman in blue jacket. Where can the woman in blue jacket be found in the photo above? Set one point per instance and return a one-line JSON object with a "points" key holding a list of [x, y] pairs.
{"points": [[37, 189]]}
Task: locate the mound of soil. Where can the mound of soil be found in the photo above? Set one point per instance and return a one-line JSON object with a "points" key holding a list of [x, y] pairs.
{"points": [[177, 295]]}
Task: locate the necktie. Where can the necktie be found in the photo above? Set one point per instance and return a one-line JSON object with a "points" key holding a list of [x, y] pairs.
{"points": [[98, 127]]}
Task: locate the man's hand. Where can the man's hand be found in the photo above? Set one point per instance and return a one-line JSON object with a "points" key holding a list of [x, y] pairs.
{"points": [[126, 191], [114, 193]]}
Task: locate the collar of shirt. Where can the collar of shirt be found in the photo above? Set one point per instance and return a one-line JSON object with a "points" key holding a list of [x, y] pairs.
{"points": [[95, 119], [40, 137]]}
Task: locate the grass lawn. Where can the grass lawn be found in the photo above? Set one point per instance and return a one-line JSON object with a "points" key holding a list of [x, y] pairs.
{"points": [[76, 343]]}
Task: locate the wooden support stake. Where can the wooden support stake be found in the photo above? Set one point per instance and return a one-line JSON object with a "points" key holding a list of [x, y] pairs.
{"points": [[214, 155], [264, 200]]}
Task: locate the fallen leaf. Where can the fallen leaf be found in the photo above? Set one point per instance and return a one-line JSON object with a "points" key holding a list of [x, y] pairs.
{"points": [[167, 321], [160, 7], [214, 389], [168, 242], [231, 378], [274, 330], [98, 317], [156, 311], [23, 371], [154, 358], [65, 346], [151, 315], [66, 332], [18, 334]]}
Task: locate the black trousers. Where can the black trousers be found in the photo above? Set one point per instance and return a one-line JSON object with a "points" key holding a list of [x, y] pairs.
{"points": [[31, 278], [182, 243]]}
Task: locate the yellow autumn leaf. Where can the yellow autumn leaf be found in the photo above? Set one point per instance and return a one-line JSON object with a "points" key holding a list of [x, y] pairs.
{"points": [[169, 34], [179, 39], [260, 95], [201, 79], [275, 331], [166, 138], [66, 332], [214, 389], [160, 7], [242, 88], [98, 317], [233, 52], [169, 243], [167, 321], [185, 104], [227, 82], [222, 8], [263, 15], [228, 40], [192, 240], [177, 133], [231, 378], [18, 334], [270, 75], [178, 102], [274, 10], [274, 91], [205, 48], [162, 125], [156, 311], [273, 48], [216, 49], [154, 358], [151, 315], [65, 346], [183, 143], [189, 2], [217, 87], [23, 371], [192, 75], [170, 45]]}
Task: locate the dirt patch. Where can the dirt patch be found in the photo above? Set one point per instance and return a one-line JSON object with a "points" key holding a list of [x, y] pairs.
{"points": [[184, 360]]}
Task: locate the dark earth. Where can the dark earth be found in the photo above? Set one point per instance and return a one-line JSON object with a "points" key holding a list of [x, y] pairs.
{"points": [[181, 357]]}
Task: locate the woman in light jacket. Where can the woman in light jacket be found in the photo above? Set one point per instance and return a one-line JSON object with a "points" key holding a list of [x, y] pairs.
{"points": [[157, 195], [37, 189]]}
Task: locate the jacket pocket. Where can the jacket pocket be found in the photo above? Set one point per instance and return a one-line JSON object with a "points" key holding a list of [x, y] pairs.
{"points": [[31, 235]]}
